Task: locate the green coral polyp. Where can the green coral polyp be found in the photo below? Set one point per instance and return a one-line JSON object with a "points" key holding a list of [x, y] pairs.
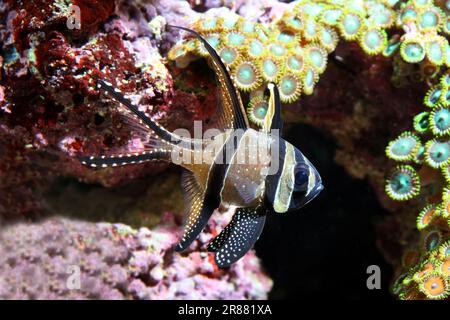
{"points": [[382, 19], [391, 47], [270, 69], [331, 16], [246, 76], [235, 39], [409, 14], [277, 50], [311, 31], [208, 25], [350, 25], [421, 122], [213, 40], [287, 38], [433, 97], [317, 57], [292, 23], [404, 147], [432, 240], [309, 81], [328, 39], [257, 110], [412, 51], [437, 153], [256, 48], [403, 183], [290, 88], [373, 41], [440, 121], [229, 55], [295, 63], [429, 19], [435, 50]]}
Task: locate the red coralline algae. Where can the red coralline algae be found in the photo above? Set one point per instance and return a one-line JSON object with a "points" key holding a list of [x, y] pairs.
{"points": [[66, 259]]}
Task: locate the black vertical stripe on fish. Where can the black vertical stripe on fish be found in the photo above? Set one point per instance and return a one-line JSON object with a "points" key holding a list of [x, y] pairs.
{"points": [[240, 118], [212, 195], [272, 180], [239, 236], [124, 159]]}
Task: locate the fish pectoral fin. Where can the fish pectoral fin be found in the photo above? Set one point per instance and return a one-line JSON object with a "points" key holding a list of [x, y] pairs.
{"points": [[198, 212], [124, 159], [239, 236]]}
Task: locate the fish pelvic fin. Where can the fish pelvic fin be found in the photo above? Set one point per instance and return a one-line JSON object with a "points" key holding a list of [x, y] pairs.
{"points": [[239, 236]]}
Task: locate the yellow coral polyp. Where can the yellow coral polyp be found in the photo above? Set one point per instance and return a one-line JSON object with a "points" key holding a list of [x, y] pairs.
{"points": [[444, 267], [426, 216], [434, 286]]}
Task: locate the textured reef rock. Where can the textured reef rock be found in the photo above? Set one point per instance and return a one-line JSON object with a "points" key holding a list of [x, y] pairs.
{"points": [[68, 259], [50, 110]]}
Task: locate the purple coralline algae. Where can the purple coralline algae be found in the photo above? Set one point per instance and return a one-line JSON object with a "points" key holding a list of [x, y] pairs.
{"points": [[68, 259]]}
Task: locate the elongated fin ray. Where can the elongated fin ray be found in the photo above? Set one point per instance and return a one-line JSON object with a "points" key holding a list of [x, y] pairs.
{"points": [[273, 119], [118, 96], [125, 159], [233, 109], [239, 236]]}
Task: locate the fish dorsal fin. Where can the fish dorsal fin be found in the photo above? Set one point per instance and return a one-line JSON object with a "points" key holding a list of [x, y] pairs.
{"points": [[273, 120], [239, 236], [232, 114]]}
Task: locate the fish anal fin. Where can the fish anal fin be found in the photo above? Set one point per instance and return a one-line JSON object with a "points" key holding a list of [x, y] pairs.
{"points": [[197, 212], [239, 236]]}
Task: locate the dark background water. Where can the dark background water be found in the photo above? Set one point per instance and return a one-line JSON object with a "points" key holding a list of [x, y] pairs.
{"points": [[324, 249]]}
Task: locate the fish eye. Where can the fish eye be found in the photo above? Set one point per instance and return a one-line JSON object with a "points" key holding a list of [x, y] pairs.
{"points": [[301, 179]]}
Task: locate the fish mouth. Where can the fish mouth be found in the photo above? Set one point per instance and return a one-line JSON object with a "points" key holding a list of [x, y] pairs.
{"points": [[313, 193]]}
